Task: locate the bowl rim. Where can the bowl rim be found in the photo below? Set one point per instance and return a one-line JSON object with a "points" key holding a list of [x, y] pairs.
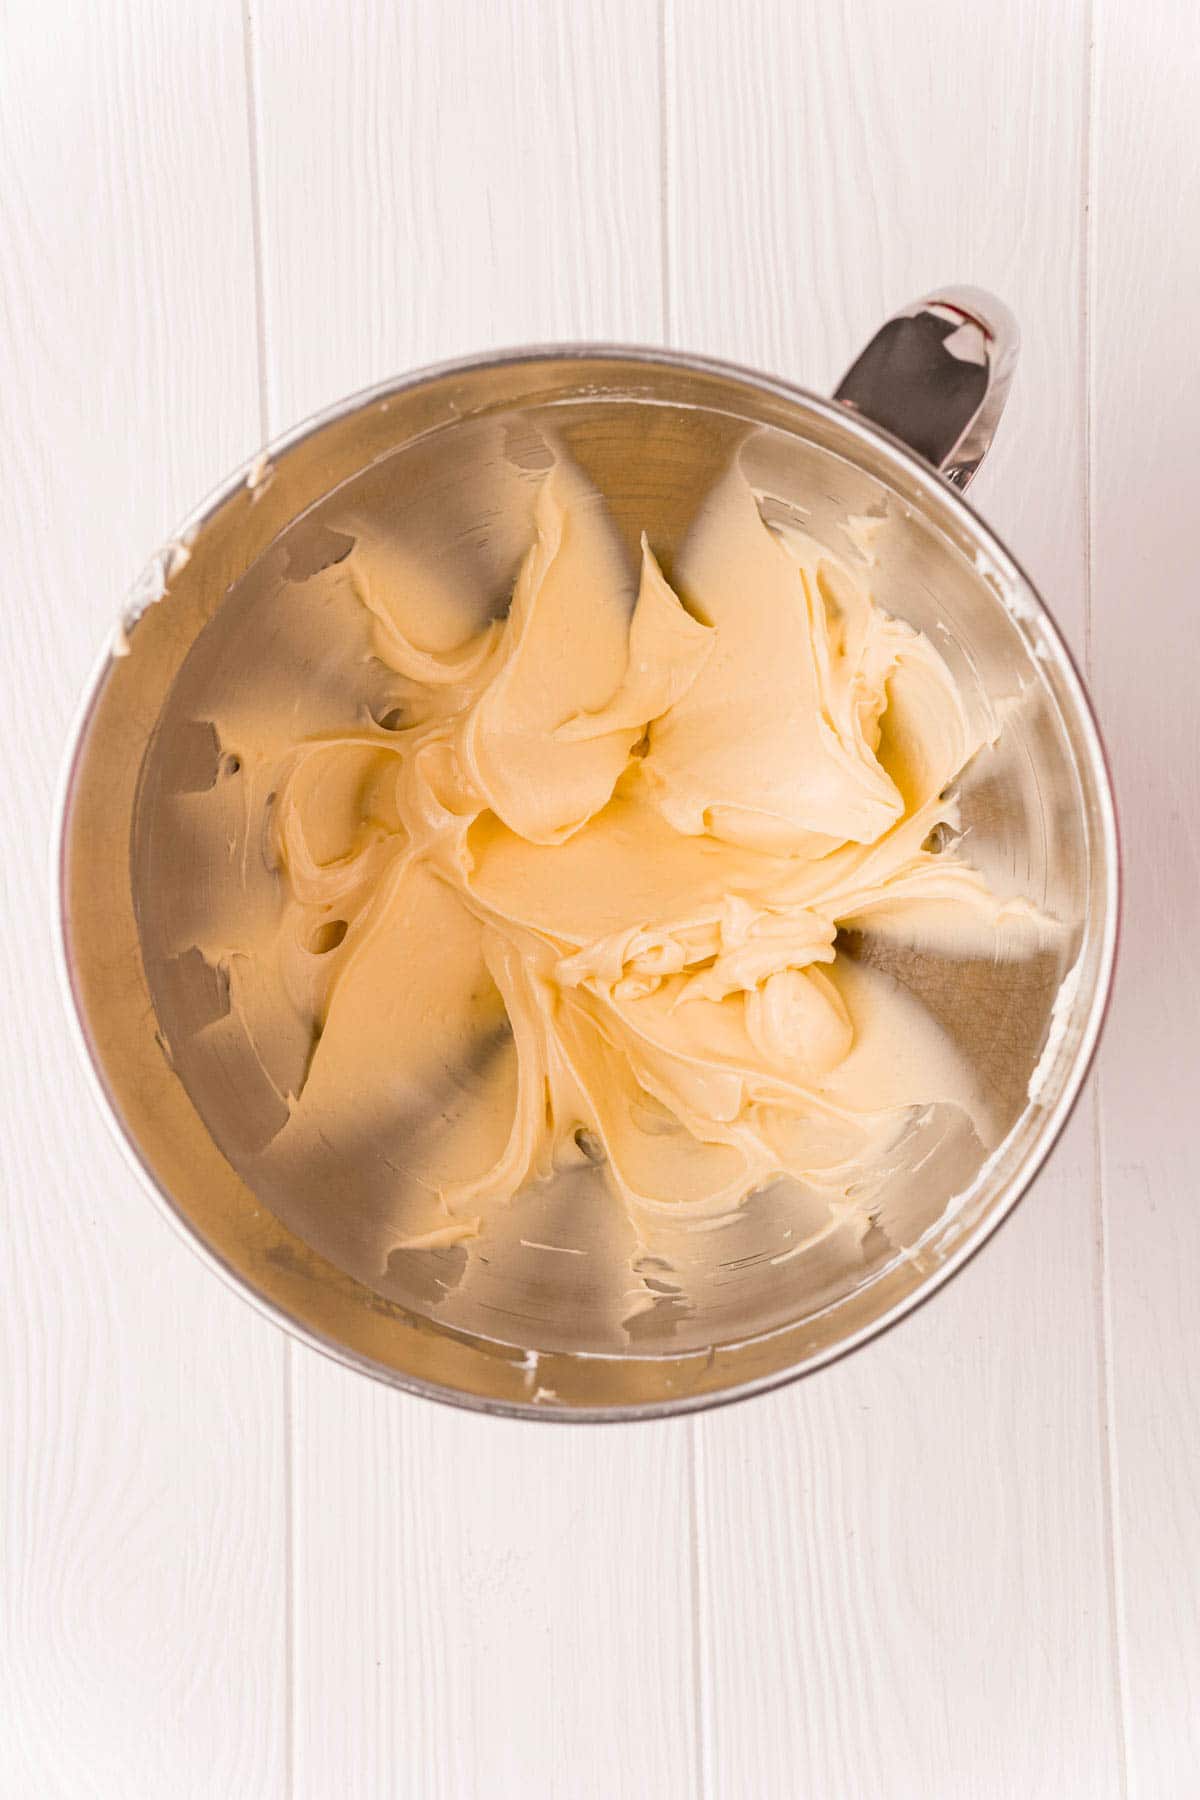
{"points": [[1034, 609]]}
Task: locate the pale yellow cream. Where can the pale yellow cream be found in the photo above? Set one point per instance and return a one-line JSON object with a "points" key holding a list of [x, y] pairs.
{"points": [[578, 897]]}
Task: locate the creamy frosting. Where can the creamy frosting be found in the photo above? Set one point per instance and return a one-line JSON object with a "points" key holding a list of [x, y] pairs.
{"points": [[576, 895]]}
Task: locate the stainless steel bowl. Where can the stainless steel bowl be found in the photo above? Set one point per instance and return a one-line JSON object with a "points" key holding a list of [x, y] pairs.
{"points": [[509, 1326]]}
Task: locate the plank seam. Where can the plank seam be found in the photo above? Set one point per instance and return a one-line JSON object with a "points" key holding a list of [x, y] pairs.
{"points": [[288, 1383], [256, 219], [699, 1707], [1108, 1452], [1110, 1498], [291, 1551], [691, 1426], [664, 172]]}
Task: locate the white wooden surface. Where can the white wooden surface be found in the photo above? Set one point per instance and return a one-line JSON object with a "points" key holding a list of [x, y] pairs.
{"points": [[966, 1562]]}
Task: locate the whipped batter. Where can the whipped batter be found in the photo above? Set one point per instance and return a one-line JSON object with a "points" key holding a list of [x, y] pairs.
{"points": [[576, 895]]}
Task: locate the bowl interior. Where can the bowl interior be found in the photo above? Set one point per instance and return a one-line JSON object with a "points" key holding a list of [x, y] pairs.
{"points": [[557, 1299]]}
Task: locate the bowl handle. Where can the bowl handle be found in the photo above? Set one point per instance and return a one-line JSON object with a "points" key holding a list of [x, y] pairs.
{"points": [[937, 376]]}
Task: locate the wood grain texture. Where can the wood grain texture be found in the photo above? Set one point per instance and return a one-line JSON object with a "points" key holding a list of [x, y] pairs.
{"points": [[1145, 434], [488, 1610], [439, 178], [904, 1561], [481, 1608], [142, 1582]]}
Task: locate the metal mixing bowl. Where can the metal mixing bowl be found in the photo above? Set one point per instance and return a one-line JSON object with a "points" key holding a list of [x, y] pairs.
{"points": [[514, 1323]]}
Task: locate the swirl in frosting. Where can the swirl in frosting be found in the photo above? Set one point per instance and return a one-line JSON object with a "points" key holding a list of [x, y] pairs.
{"points": [[578, 896]]}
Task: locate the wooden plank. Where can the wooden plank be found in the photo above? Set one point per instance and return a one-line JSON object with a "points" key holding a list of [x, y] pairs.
{"points": [[442, 178], [903, 1561], [142, 1590], [487, 1608], [482, 1608], [1145, 436]]}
